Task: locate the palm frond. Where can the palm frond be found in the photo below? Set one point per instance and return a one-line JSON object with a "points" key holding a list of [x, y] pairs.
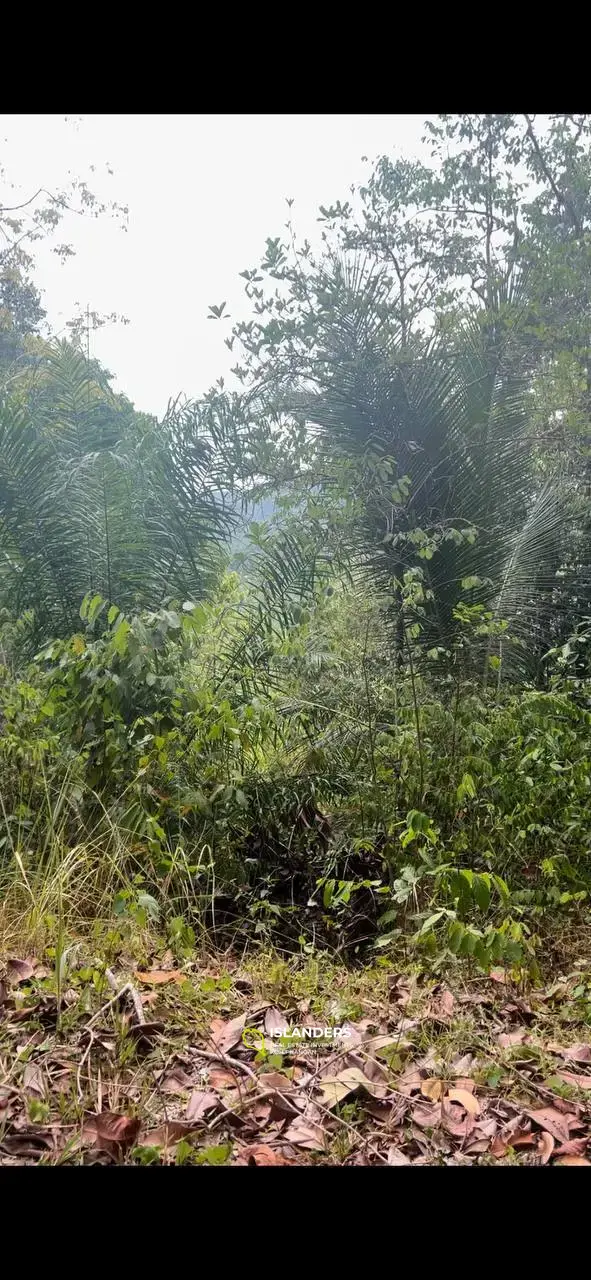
{"points": [[96, 497], [455, 419]]}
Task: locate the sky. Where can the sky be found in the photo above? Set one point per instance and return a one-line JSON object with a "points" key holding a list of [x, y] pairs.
{"points": [[203, 192]]}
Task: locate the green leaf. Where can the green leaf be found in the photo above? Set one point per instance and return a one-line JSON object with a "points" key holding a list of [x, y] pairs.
{"points": [[466, 788], [502, 889], [481, 891], [149, 904], [432, 920], [94, 608], [468, 943], [455, 936], [121, 637]]}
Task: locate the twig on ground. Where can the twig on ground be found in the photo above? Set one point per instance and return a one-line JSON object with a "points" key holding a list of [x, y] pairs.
{"points": [[242, 1104], [233, 1064]]}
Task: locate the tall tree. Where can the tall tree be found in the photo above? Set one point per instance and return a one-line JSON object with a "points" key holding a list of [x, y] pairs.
{"points": [[428, 332]]}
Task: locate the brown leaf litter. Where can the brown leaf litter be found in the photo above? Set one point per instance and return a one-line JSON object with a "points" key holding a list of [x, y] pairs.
{"points": [[85, 1086]]}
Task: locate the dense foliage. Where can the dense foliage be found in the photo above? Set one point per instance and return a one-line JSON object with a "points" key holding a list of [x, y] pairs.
{"points": [[371, 724]]}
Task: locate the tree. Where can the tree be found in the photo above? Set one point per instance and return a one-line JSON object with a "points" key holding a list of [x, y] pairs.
{"points": [[419, 344], [96, 497], [23, 224]]}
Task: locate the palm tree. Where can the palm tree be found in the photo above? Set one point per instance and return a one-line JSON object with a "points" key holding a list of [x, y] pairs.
{"points": [[475, 519], [96, 497]]}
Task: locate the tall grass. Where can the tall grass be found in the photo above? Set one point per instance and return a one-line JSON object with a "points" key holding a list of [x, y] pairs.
{"points": [[47, 882]]}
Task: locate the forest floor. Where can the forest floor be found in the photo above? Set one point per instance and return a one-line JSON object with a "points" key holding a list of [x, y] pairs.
{"points": [[156, 1060]]}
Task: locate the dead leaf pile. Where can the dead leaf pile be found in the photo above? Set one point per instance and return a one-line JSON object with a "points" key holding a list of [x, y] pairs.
{"points": [[508, 1091]]}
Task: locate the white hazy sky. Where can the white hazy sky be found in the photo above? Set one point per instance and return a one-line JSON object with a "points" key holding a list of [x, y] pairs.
{"points": [[204, 192]]}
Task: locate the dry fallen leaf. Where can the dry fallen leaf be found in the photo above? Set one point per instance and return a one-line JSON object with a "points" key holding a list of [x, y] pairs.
{"points": [[110, 1129], [275, 1021], [574, 1147], [259, 1154], [432, 1089], [462, 1065], [200, 1103], [509, 1038], [144, 1033], [33, 1079], [518, 1011], [335, 1088], [498, 1147], [443, 1006], [545, 1147], [355, 1037], [176, 1081], [573, 1160], [376, 1044], [572, 1053], [464, 1082], [456, 1119], [577, 1053], [220, 1078], [466, 1100], [426, 1117], [570, 1077], [488, 1127], [304, 1133], [553, 1121], [514, 1130], [409, 1082], [275, 1080], [19, 970], [30, 1143], [396, 1156], [226, 1035], [406, 1024], [157, 977], [498, 975], [261, 1113], [374, 1071], [166, 1135]]}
